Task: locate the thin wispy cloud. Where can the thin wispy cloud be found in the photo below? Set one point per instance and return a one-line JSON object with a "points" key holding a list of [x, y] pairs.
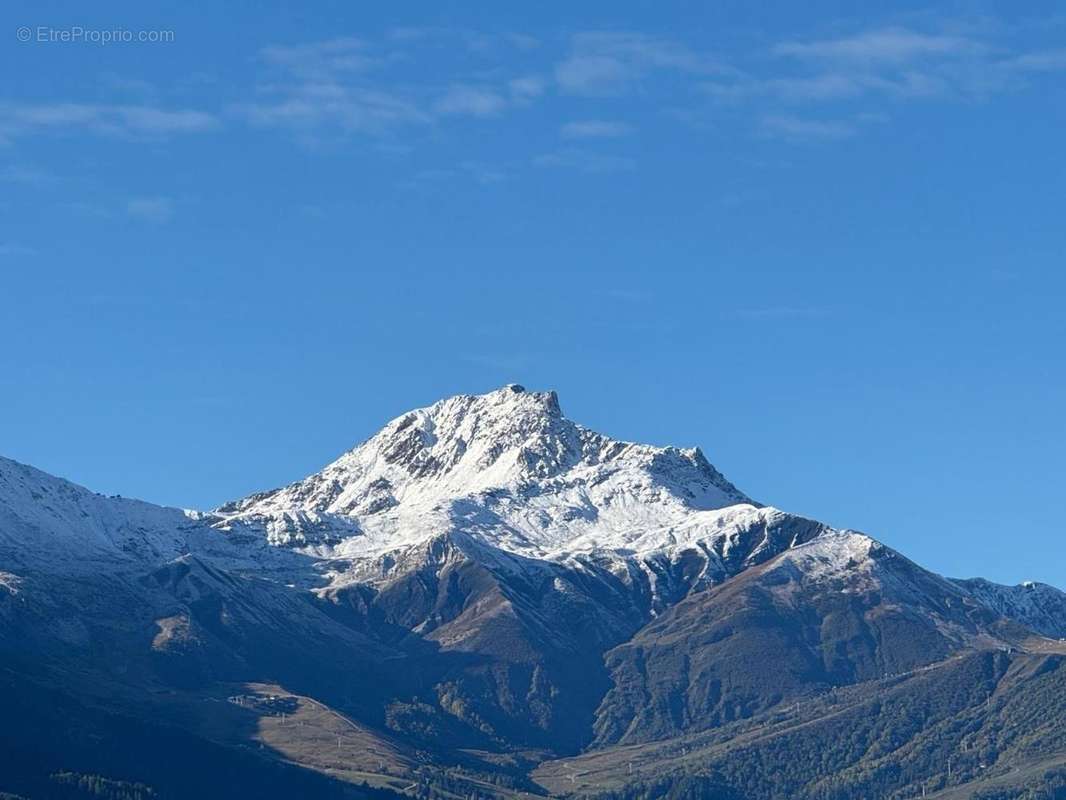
{"points": [[1039, 61], [912, 64], [828, 87], [324, 59], [473, 41], [402, 88], [483, 173], [325, 89], [595, 129], [347, 86], [25, 174], [13, 250], [479, 172], [592, 75], [526, 88], [585, 161], [801, 129], [128, 121], [150, 209], [318, 108], [159, 121], [473, 101], [897, 63], [613, 63], [846, 80], [882, 46], [129, 86]]}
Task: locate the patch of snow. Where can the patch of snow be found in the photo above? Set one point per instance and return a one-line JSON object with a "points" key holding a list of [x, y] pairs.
{"points": [[845, 556]]}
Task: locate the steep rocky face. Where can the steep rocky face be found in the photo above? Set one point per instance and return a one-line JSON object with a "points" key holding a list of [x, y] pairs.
{"points": [[512, 651]]}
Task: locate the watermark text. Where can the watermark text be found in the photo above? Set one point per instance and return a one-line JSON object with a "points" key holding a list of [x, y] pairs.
{"points": [[77, 34]]}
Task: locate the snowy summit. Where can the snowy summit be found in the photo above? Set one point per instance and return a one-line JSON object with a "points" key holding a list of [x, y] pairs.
{"points": [[506, 468]]}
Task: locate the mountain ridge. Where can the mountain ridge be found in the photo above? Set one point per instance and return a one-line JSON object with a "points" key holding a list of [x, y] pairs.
{"points": [[487, 584]]}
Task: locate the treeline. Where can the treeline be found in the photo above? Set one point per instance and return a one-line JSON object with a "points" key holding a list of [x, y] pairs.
{"points": [[81, 786], [75, 786], [952, 726], [684, 787]]}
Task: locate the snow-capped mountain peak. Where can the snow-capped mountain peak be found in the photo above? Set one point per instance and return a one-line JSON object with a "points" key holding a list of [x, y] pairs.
{"points": [[507, 466]]}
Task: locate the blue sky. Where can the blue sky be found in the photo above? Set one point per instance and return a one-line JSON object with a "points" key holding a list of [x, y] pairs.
{"points": [[826, 248]]}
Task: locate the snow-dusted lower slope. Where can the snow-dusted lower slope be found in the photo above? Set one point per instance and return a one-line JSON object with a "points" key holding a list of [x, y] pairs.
{"points": [[44, 519], [1036, 605], [52, 526]]}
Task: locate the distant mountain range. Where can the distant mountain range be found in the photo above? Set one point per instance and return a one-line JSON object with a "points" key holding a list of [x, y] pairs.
{"points": [[486, 599]]}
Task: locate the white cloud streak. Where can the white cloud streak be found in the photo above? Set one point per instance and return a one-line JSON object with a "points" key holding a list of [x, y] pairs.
{"points": [[882, 46], [585, 161], [613, 63], [801, 129], [125, 121], [473, 101], [595, 129]]}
